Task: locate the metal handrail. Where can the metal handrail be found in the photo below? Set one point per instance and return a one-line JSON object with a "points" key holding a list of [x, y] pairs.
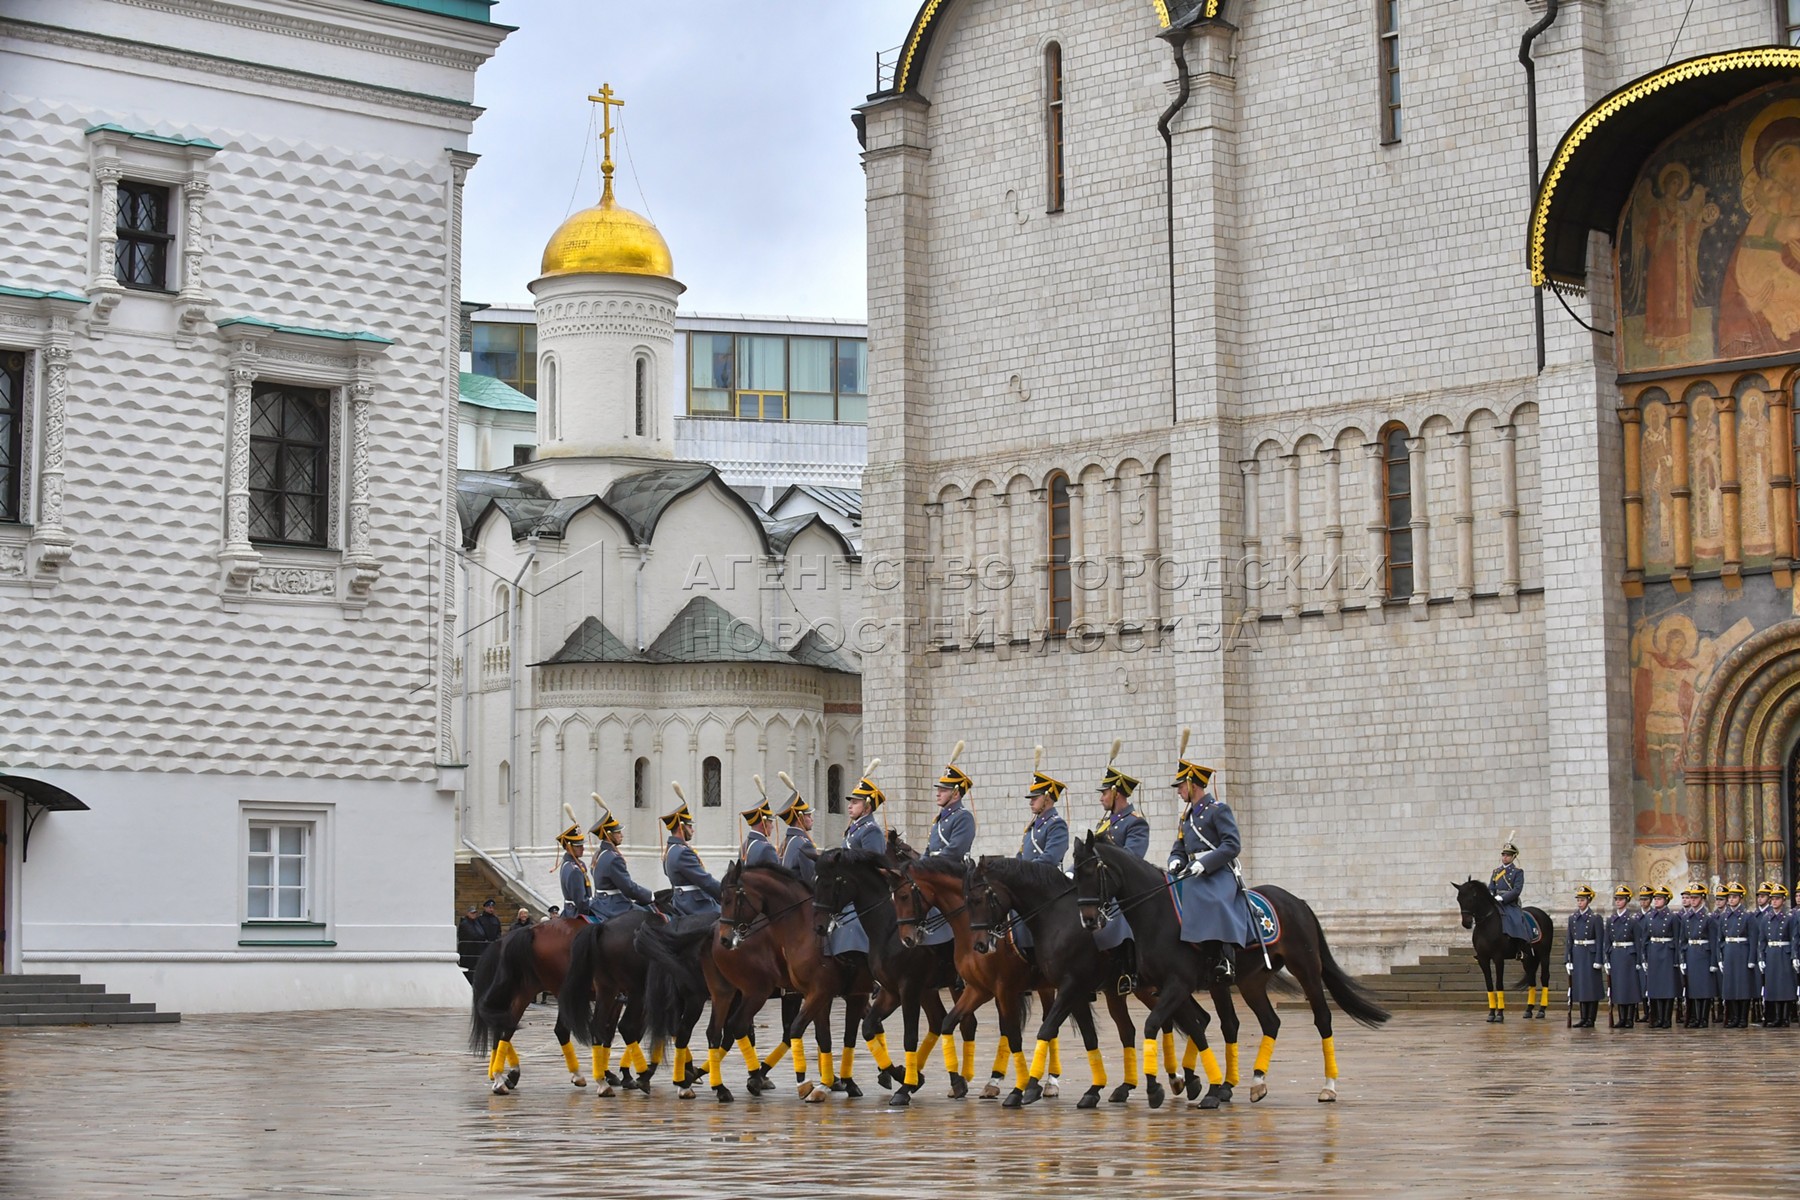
{"points": [[512, 880]]}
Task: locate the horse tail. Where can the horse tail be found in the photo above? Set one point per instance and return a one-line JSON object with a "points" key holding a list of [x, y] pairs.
{"points": [[576, 1000], [1354, 1002], [508, 966], [481, 1034], [672, 973]]}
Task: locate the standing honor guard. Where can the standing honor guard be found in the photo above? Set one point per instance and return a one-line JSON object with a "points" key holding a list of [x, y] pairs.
{"points": [[1780, 959], [1659, 936], [694, 891], [1584, 957], [1740, 949], [798, 854], [572, 873], [1699, 956], [615, 892], [1624, 959], [1215, 908]]}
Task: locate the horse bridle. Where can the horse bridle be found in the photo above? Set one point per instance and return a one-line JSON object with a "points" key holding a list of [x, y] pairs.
{"points": [[742, 928], [1101, 871], [918, 922], [1005, 923]]}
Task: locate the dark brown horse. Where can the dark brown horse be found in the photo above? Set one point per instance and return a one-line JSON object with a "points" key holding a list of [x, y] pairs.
{"points": [[1493, 946], [510, 972], [603, 994]]}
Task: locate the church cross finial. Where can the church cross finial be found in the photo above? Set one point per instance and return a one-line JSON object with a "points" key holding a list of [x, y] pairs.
{"points": [[607, 103]]}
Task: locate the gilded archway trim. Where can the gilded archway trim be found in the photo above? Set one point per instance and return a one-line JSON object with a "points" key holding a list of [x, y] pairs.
{"points": [[1591, 173]]}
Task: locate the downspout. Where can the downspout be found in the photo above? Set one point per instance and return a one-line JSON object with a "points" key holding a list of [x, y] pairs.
{"points": [[468, 637], [512, 707], [1531, 117], [1177, 38], [638, 582]]}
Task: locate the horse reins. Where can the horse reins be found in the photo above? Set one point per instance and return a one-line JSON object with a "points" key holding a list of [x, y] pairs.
{"points": [[743, 928]]}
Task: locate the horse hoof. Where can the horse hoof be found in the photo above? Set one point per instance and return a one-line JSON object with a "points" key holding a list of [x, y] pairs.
{"points": [[817, 1096], [756, 1085], [837, 1085], [512, 1080], [959, 1087], [1014, 1099], [991, 1091], [1327, 1095], [806, 1089], [1089, 1098], [1215, 1096], [851, 1091], [900, 1099], [1225, 1090], [1190, 1083], [686, 1093], [1120, 1094], [1034, 1091], [1258, 1091], [618, 1080], [1052, 1087], [723, 1094], [500, 1088], [1154, 1092], [578, 1080], [885, 1080], [604, 1091]]}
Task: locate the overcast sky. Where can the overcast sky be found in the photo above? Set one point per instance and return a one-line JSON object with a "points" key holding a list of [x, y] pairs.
{"points": [[737, 116]]}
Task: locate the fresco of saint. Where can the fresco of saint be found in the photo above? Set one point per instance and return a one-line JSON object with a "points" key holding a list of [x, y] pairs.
{"points": [[1759, 305]]}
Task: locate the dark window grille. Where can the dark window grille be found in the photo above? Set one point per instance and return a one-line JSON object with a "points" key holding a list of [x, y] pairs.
{"points": [[12, 425], [1061, 595], [834, 790], [1396, 474], [290, 437], [1390, 70], [141, 255], [643, 387], [712, 784], [640, 783], [523, 455], [1053, 124]]}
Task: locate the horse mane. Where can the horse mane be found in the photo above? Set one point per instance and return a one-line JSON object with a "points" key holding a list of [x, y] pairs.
{"points": [[940, 864], [899, 848], [1118, 855], [780, 872], [1011, 871]]}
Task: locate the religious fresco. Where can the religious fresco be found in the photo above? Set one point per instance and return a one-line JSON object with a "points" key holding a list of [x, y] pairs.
{"points": [[1709, 243]]}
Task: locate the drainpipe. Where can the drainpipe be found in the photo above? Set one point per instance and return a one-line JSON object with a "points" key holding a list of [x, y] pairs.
{"points": [[638, 581], [1531, 118], [468, 636], [1176, 36], [512, 706]]}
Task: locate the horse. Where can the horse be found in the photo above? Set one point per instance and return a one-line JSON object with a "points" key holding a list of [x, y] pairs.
{"points": [[766, 943], [509, 973], [910, 978], [1481, 916], [603, 993], [939, 882], [1105, 873], [679, 980], [1044, 900]]}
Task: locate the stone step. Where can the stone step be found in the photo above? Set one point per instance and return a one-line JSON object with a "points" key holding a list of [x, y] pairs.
{"points": [[32, 985], [108, 1017], [72, 1004], [6, 979]]}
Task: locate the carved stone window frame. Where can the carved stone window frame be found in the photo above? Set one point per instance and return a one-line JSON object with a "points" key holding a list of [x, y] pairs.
{"points": [[42, 325], [344, 573], [180, 164]]}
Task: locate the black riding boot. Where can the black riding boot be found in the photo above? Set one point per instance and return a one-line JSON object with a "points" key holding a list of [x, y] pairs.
{"points": [[1224, 968], [1589, 1010]]}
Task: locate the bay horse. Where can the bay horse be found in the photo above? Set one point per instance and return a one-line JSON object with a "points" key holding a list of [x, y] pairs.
{"points": [[679, 980], [603, 993], [1045, 902], [937, 881], [1105, 872], [767, 943], [1481, 916], [911, 978], [508, 975]]}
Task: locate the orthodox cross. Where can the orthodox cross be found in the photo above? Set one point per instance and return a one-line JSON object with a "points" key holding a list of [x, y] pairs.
{"points": [[607, 103]]}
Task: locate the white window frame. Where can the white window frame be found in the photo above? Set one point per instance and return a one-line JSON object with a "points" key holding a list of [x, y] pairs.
{"points": [[40, 325], [179, 164], [316, 927]]}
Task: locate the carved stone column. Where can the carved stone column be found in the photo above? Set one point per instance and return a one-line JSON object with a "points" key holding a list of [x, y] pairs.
{"points": [[1252, 472], [193, 305], [1003, 622], [1781, 483], [1115, 552], [1464, 520], [1509, 517], [1421, 528], [1290, 535], [1153, 573], [240, 559], [1078, 592], [1631, 420], [51, 545], [1681, 492], [1334, 542], [1374, 455], [359, 558], [105, 289], [1729, 488]]}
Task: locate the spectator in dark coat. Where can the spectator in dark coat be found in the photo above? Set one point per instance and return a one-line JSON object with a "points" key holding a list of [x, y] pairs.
{"points": [[490, 924], [470, 941], [523, 919]]}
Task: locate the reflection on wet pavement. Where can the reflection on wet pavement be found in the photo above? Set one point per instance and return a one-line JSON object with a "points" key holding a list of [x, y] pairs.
{"points": [[389, 1104]]}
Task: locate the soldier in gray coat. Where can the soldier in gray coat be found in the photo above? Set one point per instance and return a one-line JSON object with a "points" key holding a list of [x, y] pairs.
{"points": [[1624, 958], [1740, 949], [1781, 959], [846, 935], [577, 884], [1659, 933], [1584, 957], [1125, 828], [1046, 840], [1215, 911], [696, 892], [798, 854], [615, 891], [952, 836], [1506, 885], [1699, 956], [757, 850]]}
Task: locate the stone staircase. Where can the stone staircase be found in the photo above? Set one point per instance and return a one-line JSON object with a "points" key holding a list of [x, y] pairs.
{"points": [[1450, 981], [476, 882], [65, 1000]]}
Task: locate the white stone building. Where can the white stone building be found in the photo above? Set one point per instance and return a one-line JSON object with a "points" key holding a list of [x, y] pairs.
{"points": [[633, 619], [1260, 438], [228, 308]]}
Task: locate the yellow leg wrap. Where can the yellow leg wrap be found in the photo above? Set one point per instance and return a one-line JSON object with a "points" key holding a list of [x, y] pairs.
{"points": [[496, 1060], [1231, 1063], [949, 1054], [1490, 997], [1040, 1058], [1500, 1001], [798, 1047], [1544, 997], [713, 1057], [1265, 1054], [926, 1043], [752, 1061], [1056, 1056], [633, 1058], [1168, 1050], [1131, 1067], [1330, 1059], [1021, 1073], [1150, 1058], [827, 1070], [847, 1061], [512, 1056], [684, 1058], [777, 1058], [569, 1059], [1002, 1055], [1097, 1068], [878, 1049], [1209, 1062], [968, 1059], [1190, 1058], [602, 1060], [912, 1068]]}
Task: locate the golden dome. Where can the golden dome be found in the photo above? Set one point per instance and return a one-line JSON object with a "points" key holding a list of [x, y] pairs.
{"points": [[607, 240]]}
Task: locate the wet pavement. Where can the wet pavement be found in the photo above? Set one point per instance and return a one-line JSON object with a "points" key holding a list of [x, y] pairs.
{"points": [[390, 1104]]}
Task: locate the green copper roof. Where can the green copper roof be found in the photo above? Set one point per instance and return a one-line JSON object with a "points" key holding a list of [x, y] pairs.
{"points": [[35, 294], [165, 139], [337, 335], [464, 10], [484, 391]]}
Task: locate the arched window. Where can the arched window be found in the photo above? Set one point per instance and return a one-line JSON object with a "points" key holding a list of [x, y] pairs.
{"points": [[640, 783], [712, 784], [501, 627], [1396, 488], [548, 398], [1053, 127], [1061, 596], [643, 396], [834, 790]]}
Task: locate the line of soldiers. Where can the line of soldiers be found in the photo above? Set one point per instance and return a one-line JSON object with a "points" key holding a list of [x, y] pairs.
{"points": [[1650, 958]]}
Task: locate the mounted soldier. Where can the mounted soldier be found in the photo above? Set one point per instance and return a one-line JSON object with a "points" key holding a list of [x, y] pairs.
{"points": [[757, 850], [952, 836], [577, 884], [1780, 959], [1740, 949], [1046, 837], [695, 891], [1624, 958], [1203, 868], [1584, 957], [1124, 827], [1659, 934], [846, 934], [1699, 955], [798, 854], [615, 892], [1506, 885]]}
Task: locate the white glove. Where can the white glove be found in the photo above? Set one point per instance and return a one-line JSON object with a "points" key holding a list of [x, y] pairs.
{"points": [[1684, 968], [1569, 967], [1175, 867], [1196, 867], [1597, 966], [1762, 966]]}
